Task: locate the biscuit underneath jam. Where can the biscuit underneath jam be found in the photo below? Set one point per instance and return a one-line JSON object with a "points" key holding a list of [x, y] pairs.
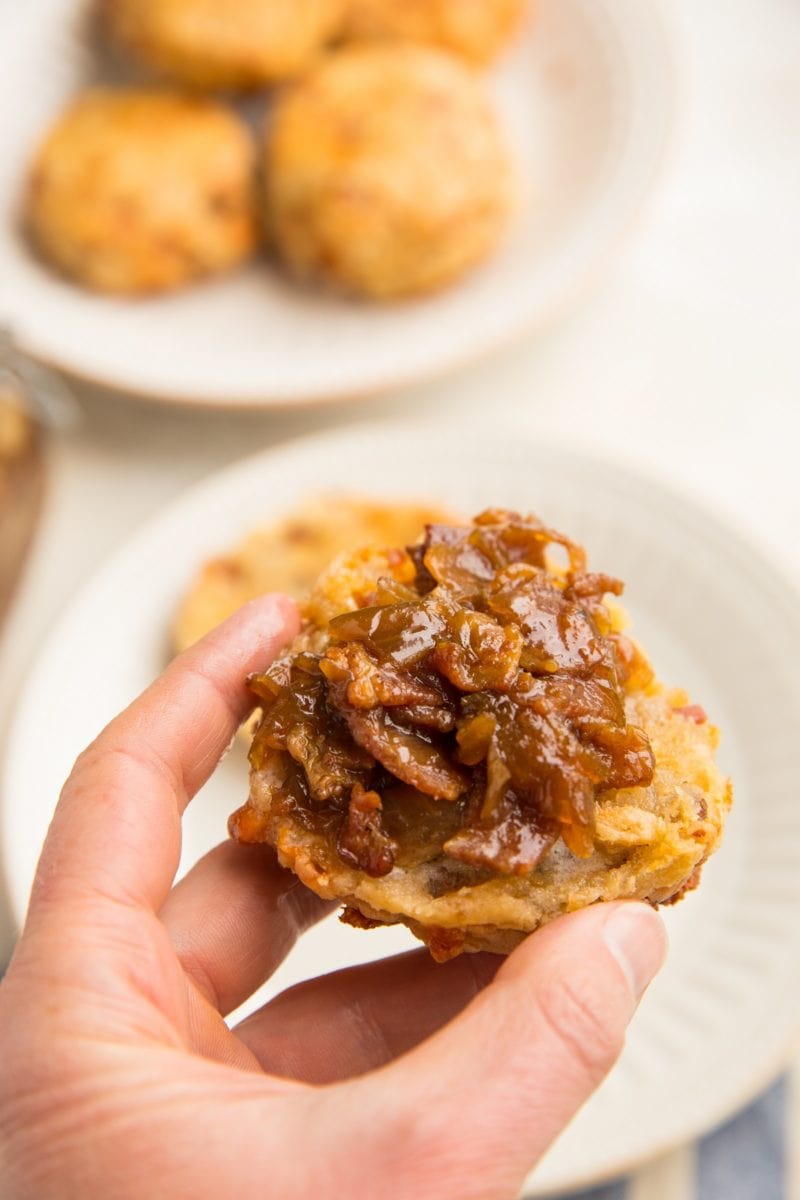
{"points": [[462, 739]]}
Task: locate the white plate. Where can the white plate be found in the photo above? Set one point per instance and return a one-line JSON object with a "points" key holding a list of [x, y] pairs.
{"points": [[587, 93], [714, 616]]}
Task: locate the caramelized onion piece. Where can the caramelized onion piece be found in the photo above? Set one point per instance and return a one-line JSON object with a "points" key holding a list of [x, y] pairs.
{"points": [[297, 721], [371, 683], [558, 634], [483, 656], [418, 824], [408, 756], [427, 716], [402, 632], [514, 843]]}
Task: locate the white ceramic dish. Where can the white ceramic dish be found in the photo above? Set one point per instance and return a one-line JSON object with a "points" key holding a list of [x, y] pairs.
{"points": [[722, 1018], [587, 94]]}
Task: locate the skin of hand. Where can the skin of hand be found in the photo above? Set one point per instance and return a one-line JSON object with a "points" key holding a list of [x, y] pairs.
{"points": [[120, 1077]]}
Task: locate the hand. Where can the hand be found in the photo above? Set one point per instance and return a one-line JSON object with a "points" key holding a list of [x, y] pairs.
{"points": [[119, 1077]]}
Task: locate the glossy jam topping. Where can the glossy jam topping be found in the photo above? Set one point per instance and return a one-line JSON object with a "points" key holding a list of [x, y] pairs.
{"points": [[473, 716]]}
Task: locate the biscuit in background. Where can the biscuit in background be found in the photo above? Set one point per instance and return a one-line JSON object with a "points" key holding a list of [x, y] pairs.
{"points": [[475, 29], [290, 555], [237, 44], [142, 190], [387, 172]]}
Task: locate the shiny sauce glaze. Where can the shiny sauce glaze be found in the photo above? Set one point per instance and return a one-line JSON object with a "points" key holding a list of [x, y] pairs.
{"points": [[470, 717]]}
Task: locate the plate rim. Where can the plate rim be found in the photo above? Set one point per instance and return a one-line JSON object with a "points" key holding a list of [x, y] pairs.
{"points": [[620, 227], [779, 584]]}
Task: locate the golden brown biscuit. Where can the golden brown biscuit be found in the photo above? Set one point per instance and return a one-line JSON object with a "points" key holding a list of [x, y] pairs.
{"points": [[480, 749], [143, 191], [475, 29], [223, 43], [289, 556], [387, 173]]}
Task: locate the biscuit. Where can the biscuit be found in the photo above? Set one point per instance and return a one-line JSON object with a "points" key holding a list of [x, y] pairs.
{"points": [[387, 173], [289, 556], [238, 44], [475, 29], [142, 191], [479, 749]]}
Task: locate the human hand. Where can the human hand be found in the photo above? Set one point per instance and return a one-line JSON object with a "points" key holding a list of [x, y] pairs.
{"points": [[120, 1078]]}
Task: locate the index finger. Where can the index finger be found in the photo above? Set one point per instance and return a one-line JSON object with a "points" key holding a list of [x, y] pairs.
{"points": [[116, 832]]}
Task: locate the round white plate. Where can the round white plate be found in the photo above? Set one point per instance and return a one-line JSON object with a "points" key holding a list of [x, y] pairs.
{"points": [[715, 618], [587, 95]]}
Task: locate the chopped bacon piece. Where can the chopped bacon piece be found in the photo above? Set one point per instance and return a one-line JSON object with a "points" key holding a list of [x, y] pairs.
{"points": [[445, 944], [510, 841], [693, 712], [352, 916], [362, 842]]}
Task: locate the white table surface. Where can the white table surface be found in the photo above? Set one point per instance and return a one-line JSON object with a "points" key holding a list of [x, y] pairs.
{"points": [[686, 358]]}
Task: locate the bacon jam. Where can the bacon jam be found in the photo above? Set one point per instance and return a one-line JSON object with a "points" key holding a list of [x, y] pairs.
{"points": [[471, 714]]}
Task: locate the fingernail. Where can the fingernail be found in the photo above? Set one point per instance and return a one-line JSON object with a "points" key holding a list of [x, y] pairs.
{"points": [[635, 935]]}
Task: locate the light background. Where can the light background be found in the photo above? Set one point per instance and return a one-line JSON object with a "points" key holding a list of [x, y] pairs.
{"points": [[687, 358]]}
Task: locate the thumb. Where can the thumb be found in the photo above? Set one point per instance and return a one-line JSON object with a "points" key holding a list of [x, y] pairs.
{"points": [[472, 1109]]}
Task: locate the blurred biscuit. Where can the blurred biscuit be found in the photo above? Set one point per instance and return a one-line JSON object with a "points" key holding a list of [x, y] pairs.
{"points": [[387, 172], [143, 191], [222, 43], [475, 29], [290, 555]]}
